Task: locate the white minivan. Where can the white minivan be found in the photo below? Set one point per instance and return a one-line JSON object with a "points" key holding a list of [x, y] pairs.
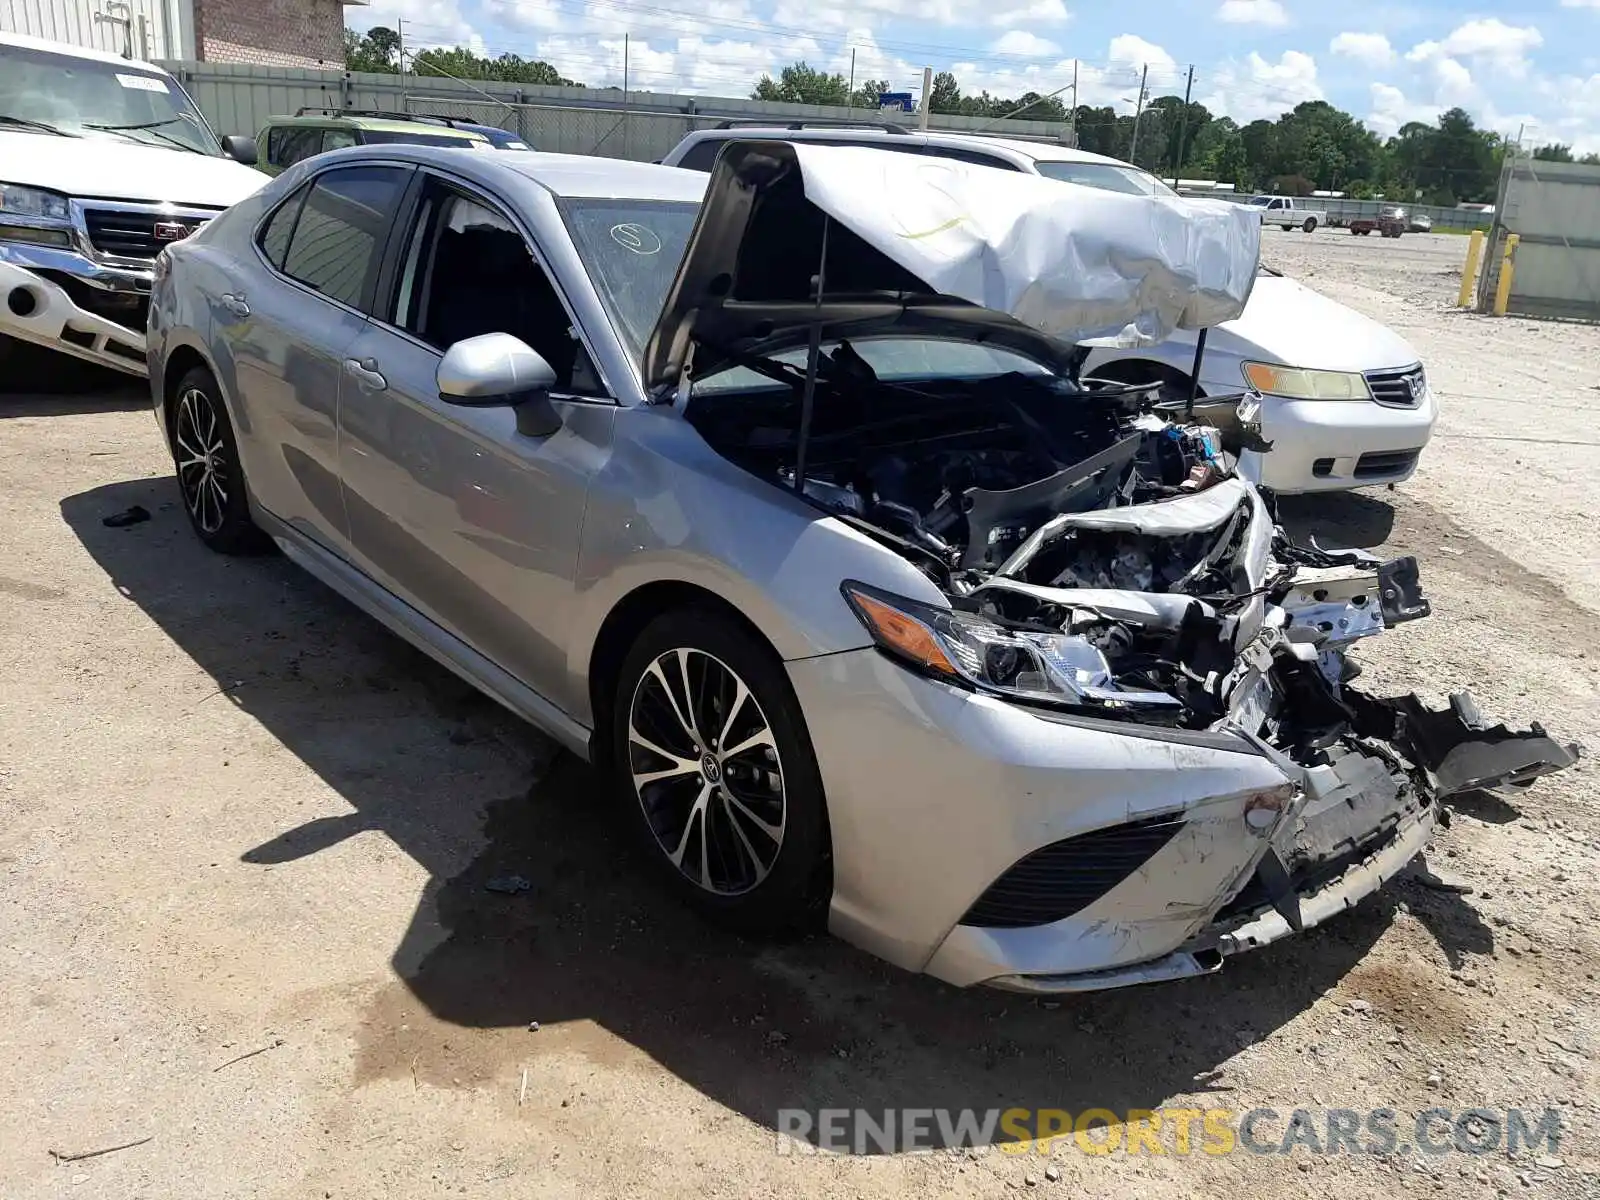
{"points": [[103, 161], [1346, 402]]}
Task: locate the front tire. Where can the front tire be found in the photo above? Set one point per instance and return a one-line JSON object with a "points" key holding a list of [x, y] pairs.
{"points": [[717, 776], [210, 477]]}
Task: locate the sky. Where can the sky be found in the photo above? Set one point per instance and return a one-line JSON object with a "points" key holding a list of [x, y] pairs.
{"points": [[1535, 68]]}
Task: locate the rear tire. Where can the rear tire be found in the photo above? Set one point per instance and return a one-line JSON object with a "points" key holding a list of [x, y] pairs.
{"points": [[1310, 225], [742, 836], [205, 455]]}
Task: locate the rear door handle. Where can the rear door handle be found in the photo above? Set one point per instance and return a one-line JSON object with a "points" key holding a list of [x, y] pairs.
{"points": [[366, 374], [234, 302]]}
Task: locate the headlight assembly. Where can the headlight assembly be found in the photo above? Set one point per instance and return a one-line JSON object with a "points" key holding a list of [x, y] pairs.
{"points": [[34, 204], [1298, 383]]}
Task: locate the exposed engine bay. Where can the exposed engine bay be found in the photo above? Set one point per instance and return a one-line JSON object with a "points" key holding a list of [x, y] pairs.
{"points": [[1100, 556]]}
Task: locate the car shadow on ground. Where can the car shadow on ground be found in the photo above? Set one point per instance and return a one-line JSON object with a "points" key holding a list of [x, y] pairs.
{"points": [[1337, 520], [756, 1027]]}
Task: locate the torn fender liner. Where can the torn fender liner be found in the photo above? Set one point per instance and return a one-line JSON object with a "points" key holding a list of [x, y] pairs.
{"points": [[1456, 747], [1077, 263]]}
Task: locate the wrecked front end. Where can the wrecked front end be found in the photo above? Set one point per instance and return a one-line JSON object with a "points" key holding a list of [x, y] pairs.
{"points": [[1114, 732]]}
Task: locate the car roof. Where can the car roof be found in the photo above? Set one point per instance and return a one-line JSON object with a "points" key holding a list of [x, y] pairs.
{"points": [[574, 175], [901, 136], [378, 124], [62, 48]]}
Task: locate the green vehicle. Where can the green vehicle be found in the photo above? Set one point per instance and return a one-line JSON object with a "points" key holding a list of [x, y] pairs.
{"points": [[284, 141]]}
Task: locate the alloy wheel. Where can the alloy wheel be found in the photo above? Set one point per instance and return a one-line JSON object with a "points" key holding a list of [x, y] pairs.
{"points": [[707, 772], [202, 460]]}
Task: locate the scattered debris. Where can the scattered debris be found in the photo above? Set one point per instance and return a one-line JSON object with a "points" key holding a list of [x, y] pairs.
{"points": [[128, 516], [272, 1045], [1052, 1174], [523, 1093], [1031, 1180], [533, 1027], [61, 1156], [1432, 882], [508, 885], [1360, 1006]]}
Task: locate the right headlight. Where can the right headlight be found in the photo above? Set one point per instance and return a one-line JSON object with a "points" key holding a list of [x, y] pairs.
{"points": [[1299, 383], [35, 203]]}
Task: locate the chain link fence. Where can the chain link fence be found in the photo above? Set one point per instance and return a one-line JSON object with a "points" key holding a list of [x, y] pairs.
{"points": [[638, 134]]}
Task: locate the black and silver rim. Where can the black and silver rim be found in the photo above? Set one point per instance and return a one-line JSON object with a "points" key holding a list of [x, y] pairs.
{"points": [[202, 460], [706, 769]]}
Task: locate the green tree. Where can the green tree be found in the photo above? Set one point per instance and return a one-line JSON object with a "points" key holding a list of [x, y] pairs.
{"points": [[801, 84], [946, 94], [376, 50], [869, 93], [1554, 152]]}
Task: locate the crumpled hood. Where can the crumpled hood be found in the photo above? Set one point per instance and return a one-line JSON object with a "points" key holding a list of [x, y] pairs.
{"points": [[1287, 322], [1081, 264], [941, 248], [110, 169]]}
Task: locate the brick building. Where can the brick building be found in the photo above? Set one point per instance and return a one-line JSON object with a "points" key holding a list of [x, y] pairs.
{"points": [[271, 33]]}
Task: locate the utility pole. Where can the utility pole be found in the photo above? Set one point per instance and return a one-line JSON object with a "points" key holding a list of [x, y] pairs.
{"points": [[1183, 128], [400, 33], [1138, 111], [850, 101], [1072, 116], [627, 125], [927, 97]]}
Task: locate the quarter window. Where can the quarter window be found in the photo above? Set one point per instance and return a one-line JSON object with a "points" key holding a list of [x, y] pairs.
{"points": [[275, 233], [288, 144], [339, 238], [337, 139]]}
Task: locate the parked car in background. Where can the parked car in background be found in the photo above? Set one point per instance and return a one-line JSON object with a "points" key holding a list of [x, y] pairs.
{"points": [[500, 139], [1390, 222], [867, 607], [1346, 402], [1421, 223], [103, 161], [285, 141], [1289, 212]]}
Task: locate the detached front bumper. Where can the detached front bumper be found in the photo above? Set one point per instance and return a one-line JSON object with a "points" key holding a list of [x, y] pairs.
{"points": [[59, 299]]}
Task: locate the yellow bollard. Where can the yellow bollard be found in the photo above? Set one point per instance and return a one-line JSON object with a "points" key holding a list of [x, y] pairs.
{"points": [[1469, 273], [1502, 293]]}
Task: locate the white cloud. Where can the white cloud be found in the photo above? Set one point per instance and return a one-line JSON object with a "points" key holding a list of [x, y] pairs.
{"points": [[1252, 12], [1370, 48], [1455, 83], [1038, 11], [1129, 48], [1258, 89], [1024, 45], [1487, 40], [1391, 109]]}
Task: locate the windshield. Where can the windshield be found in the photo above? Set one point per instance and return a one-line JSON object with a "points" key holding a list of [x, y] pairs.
{"points": [[385, 137], [80, 97], [1110, 177], [631, 249]]}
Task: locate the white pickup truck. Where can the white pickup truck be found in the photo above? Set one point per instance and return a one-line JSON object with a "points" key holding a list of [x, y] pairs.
{"points": [[103, 161], [1289, 212]]}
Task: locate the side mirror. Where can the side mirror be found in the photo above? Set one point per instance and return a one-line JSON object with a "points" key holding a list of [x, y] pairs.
{"points": [[494, 369], [241, 149]]}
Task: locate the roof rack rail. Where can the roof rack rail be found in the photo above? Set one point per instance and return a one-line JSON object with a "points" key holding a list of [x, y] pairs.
{"points": [[383, 113], [759, 123]]}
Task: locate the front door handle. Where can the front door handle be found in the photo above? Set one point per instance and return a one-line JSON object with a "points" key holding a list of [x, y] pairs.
{"points": [[366, 374], [234, 302]]}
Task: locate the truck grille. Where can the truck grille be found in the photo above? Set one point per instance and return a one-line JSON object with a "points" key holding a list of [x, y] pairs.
{"points": [[132, 233], [1398, 389], [1065, 877]]}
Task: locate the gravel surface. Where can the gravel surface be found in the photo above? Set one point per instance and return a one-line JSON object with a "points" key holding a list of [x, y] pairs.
{"points": [[245, 836]]}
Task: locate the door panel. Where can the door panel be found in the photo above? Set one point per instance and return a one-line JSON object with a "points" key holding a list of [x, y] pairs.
{"points": [[290, 340], [457, 513]]}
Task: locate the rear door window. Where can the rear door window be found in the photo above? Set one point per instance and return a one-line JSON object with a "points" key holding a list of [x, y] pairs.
{"points": [[288, 144], [339, 239]]}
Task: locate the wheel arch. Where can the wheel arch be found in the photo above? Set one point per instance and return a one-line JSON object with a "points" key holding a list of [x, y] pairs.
{"points": [[1141, 370], [622, 627]]}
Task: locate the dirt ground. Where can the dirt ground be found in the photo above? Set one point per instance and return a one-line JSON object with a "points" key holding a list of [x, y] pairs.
{"points": [[237, 816]]}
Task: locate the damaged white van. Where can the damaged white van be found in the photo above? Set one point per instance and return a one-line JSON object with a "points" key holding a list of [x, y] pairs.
{"points": [[103, 161]]}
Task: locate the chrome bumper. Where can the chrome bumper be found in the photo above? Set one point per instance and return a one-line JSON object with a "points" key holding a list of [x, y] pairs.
{"points": [[34, 309]]}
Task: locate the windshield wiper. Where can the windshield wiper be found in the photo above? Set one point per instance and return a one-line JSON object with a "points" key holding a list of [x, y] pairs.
{"points": [[30, 123], [138, 125], [150, 127]]}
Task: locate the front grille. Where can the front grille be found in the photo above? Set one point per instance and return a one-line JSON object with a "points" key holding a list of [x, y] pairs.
{"points": [[132, 234], [1385, 462], [1398, 389], [1065, 877]]}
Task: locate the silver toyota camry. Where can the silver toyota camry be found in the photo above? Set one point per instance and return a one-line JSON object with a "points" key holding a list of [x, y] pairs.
{"points": [[779, 496]]}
